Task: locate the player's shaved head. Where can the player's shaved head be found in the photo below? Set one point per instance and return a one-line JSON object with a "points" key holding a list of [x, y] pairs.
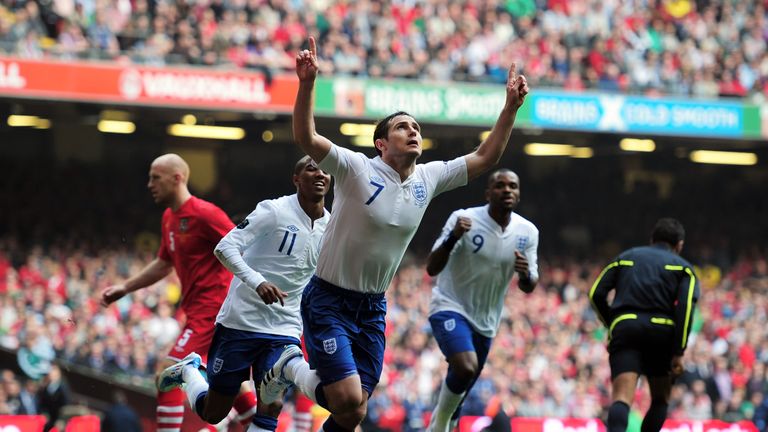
{"points": [[168, 177], [173, 164]]}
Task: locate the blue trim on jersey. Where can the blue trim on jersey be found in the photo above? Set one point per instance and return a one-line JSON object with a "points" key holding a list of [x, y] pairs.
{"points": [[234, 353], [344, 332]]}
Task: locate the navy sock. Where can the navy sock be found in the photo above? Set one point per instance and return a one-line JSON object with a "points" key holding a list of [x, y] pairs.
{"points": [[618, 417], [264, 421], [200, 403], [654, 418]]}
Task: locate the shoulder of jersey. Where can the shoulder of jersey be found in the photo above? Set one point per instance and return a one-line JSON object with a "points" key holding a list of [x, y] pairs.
{"points": [[526, 222]]}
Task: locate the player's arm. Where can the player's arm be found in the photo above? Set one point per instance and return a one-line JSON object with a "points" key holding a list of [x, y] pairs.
{"points": [[153, 272], [489, 152], [598, 294], [230, 250], [307, 138], [452, 233], [527, 267], [687, 296]]}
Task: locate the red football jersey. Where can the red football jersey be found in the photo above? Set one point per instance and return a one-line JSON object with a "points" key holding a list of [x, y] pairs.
{"points": [[189, 236]]}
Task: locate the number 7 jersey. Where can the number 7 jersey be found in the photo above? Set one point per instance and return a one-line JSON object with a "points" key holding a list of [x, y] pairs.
{"points": [[375, 215], [481, 266]]}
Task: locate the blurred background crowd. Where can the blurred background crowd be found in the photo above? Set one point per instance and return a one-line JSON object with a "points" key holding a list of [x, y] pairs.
{"points": [[65, 233], [703, 48], [549, 359], [75, 237]]}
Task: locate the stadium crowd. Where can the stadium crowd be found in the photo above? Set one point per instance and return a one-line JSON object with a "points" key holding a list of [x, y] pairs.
{"points": [[703, 48], [548, 360]]}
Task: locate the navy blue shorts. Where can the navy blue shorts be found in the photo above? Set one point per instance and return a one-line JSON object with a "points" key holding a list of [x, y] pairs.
{"points": [[234, 353], [454, 334], [344, 332]]}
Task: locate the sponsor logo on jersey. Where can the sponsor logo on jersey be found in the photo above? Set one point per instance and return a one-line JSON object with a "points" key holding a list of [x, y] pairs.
{"points": [[243, 224], [329, 346], [419, 191], [450, 324], [292, 228]]}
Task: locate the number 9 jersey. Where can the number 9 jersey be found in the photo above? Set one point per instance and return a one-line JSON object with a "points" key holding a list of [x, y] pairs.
{"points": [[481, 266]]}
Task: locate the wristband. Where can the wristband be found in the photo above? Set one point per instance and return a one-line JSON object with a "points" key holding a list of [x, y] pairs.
{"points": [[450, 241]]}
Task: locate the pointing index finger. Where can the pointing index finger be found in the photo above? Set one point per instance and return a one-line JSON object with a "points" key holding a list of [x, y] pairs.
{"points": [[512, 72], [312, 46]]}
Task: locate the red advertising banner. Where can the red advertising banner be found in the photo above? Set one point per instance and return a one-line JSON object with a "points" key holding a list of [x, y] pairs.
{"points": [[707, 426], [9, 423], [87, 423], [557, 425], [474, 424], [139, 85], [468, 424]]}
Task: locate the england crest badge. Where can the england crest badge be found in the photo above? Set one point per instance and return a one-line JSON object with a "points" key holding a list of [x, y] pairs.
{"points": [[450, 324], [419, 191], [329, 346], [217, 364]]}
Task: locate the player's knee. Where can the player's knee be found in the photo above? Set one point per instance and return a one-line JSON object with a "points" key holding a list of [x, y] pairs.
{"points": [[466, 371], [355, 416], [214, 415], [347, 404], [359, 413]]}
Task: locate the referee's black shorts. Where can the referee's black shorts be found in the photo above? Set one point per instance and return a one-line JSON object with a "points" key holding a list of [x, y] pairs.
{"points": [[641, 343]]}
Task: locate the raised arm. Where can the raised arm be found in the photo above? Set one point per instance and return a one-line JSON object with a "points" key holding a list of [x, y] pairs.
{"points": [[489, 152], [307, 138]]}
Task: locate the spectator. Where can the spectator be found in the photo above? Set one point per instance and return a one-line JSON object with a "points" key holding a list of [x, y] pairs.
{"points": [[53, 395], [120, 417]]}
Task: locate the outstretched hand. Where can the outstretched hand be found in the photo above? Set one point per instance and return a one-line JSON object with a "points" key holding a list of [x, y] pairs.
{"points": [[306, 62], [517, 88], [112, 294]]}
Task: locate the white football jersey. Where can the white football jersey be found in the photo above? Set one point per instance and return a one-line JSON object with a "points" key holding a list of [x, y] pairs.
{"points": [[277, 243], [474, 282], [375, 215]]}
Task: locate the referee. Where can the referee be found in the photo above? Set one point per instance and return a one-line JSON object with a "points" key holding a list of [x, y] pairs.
{"points": [[648, 321]]}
